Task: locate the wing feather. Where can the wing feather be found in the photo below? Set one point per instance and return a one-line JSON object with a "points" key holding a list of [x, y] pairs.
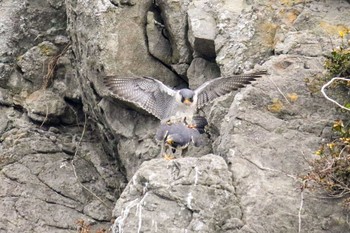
{"points": [[146, 93], [212, 89]]}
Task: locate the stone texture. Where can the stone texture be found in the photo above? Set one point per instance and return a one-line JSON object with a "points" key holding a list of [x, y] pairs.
{"points": [[45, 189], [45, 106], [178, 199], [250, 185], [123, 40], [35, 61], [159, 46], [41, 190], [202, 29], [201, 71], [19, 37], [260, 144], [174, 16]]}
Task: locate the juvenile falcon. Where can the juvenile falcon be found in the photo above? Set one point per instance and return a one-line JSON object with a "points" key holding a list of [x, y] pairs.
{"points": [[175, 138], [165, 103]]}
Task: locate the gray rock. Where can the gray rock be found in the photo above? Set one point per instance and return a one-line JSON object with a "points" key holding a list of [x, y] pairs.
{"points": [[175, 20], [201, 71], [40, 189], [34, 63], [177, 200], [116, 42], [202, 28], [301, 43], [45, 106], [40, 186], [5, 97], [159, 46], [252, 190], [5, 71], [181, 70], [261, 144]]}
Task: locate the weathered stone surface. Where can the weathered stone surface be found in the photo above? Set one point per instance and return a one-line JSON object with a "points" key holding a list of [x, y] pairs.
{"points": [[191, 194], [301, 43], [254, 189], [159, 46], [31, 28], [260, 144], [41, 190], [34, 64], [175, 20], [121, 49], [122, 39], [202, 28], [45, 106], [201, 71], [42, 186]]}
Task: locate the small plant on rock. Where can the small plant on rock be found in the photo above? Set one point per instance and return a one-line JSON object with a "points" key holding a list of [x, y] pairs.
{"points": [[338, 66], [331, 171]]}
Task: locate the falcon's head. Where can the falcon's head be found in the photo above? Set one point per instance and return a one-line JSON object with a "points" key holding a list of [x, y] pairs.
{"points": [[177, 141], [186, 96]]}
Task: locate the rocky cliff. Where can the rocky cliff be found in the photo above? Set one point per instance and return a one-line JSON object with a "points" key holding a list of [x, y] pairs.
{"points": [[74, 159]]}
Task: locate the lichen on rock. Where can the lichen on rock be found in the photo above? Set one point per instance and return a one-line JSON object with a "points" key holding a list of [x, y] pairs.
{"points": [[70, 154]]}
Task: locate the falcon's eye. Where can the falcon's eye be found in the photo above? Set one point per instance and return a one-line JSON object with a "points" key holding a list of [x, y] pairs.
{"points": [[187, 100], [174, 144]]}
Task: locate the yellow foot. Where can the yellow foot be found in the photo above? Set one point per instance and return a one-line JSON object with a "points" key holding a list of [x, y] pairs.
{"points": [[169, 157], [192, 126]]}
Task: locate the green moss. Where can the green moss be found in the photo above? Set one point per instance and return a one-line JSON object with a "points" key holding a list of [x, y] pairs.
{"points": [[338, 63]]}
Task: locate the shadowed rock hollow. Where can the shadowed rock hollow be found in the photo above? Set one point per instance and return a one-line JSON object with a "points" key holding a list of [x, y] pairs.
{"points": [[71, 155]]}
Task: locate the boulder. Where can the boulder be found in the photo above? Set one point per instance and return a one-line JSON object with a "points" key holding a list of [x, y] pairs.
{"points": [[202, 29], [188, 194], [45, 106]]}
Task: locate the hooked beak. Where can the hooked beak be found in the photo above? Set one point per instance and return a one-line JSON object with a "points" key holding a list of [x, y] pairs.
{"points": [[169, 140], [187, 101]]}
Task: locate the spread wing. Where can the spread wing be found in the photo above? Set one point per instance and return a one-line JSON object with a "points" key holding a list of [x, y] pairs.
{"points": [[147, 93], [212, 89]]}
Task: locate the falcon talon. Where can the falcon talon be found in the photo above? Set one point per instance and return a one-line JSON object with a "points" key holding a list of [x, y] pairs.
{"points": [[192, 126], [169, 157]]}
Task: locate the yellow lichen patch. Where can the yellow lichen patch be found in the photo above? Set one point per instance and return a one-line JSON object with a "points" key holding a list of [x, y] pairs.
{"points": [[292, 97], [288, 16], [47, 50], [19, 58], [334, 29], [292, 15], [276, 106], [343, 33], [292, 2], [315, 83], [267, 31]]}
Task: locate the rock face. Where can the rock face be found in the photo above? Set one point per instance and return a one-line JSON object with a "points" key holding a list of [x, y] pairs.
{"points": [[178, 200], [70, 154]]}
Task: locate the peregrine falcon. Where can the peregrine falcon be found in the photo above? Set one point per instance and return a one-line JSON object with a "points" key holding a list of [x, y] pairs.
{"points": [[165, 103], [176, 137]]}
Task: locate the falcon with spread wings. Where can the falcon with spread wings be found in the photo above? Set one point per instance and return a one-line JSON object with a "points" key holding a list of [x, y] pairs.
{"points": [[166, 103]]}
